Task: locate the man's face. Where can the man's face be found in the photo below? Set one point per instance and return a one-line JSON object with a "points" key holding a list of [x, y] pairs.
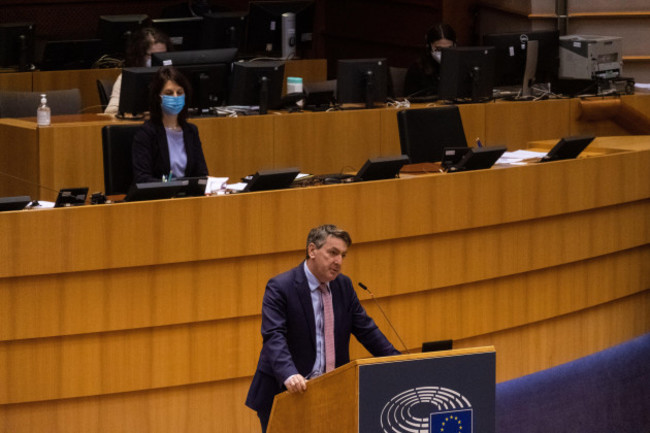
{"points": [[325, 262]]}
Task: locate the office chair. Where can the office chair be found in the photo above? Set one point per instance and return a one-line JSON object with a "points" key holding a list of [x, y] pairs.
{"points": [[105, 89], [425, 132], [118, 166], [24, 104]]}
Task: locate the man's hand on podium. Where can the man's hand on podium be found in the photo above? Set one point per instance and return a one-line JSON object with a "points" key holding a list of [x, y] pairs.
{"points": [[296, 383]]}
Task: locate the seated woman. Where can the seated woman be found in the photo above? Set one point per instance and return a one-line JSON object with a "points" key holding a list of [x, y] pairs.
{"points": [[142, 45], [167, 145], [423, 76]]}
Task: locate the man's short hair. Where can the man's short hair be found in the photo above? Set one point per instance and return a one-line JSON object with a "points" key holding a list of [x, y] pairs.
{"points": [[318, 236]]}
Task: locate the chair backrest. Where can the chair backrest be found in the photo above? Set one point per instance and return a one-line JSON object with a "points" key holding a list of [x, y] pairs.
{"points": [[118, 166], [425, 132], [105, 89], [397, 78], [24, 104]]}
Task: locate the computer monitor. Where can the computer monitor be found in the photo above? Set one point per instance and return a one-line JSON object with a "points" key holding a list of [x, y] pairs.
{"points": [[568, 148], [71, 197], [155, 190], [434, 346], [184, 32], [266, 27], [466, 74], [385, 167], [196, 186], [134, 93], [478, 158], [511, 52], [17, 46], [362, 81], [14, 203], [265, 180], [257, 84], [224, 30], [207, 71], [115, 31], [71, 54]]}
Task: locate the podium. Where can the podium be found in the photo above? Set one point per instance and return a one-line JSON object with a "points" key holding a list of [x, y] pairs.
{"points": [[446, 391]]}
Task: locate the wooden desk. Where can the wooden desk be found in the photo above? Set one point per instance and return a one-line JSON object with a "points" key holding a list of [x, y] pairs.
{"points": [[142, 316], [86, 80], [68, 153]]}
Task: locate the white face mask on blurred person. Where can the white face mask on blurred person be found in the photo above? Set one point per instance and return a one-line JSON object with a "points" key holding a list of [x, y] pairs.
{"points": [[437, 46], [147, 62]]}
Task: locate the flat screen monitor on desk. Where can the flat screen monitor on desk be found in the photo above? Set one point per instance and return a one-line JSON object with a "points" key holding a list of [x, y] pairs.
{"points": [[362, 81], [115, 31], [155, 190], [266, 26], [71, 54], [195, 186], [265, 180], [17, 46], [478, 158], [512, 54], [134, 93], [14, 203], [466, 74], [257, 84], [71, 197], [207, 71], [434, 346], [184, 33], [224, 30], [568, 148], [385, 167]]}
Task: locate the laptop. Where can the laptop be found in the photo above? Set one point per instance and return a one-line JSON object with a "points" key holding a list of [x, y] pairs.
{"points": [[71, 197], [568, 148]]}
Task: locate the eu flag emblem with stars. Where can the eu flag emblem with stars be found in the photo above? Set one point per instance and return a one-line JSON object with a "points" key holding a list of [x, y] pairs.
{"points": [[455, 421]]}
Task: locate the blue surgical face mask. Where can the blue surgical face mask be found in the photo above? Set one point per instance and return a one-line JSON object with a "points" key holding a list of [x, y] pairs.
{"points": [[172, 105]]}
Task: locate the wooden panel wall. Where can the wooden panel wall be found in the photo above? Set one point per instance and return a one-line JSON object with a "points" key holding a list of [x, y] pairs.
{"points": [[145, 316]]}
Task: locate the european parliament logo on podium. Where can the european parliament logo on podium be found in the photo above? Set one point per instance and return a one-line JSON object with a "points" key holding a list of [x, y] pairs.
{"points": [[447, 394], [427, 409], [457, 421]]}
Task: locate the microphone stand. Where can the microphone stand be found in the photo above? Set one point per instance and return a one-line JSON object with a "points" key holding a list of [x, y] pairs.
{"points": [[363, 286]]}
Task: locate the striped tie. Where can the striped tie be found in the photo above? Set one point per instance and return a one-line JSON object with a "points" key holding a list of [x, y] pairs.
{"points": [[328, 320]]}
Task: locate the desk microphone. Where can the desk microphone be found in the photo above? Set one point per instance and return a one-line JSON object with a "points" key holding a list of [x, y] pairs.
{"points": [[29, 182], [363, 286]]}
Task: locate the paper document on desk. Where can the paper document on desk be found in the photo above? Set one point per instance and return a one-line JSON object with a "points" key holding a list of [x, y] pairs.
{"points": [[519, 157], [215, 185]]}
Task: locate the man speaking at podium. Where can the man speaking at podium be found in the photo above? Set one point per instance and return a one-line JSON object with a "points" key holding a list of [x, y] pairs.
{"points": [[308, 315]]}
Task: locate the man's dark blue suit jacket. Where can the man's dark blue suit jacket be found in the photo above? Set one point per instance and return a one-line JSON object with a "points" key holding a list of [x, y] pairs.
{"points": [[289, 333]]}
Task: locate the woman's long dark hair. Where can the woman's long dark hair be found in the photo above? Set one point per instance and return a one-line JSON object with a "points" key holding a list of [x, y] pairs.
{"points": [[435, 33], [165, 74], [140, 42]]}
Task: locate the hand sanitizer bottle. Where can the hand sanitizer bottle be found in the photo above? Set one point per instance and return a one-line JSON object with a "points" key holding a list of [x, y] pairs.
{"points": [[43, 113]]}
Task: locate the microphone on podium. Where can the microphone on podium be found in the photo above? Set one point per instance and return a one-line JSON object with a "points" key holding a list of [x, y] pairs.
{"points": [[363, 286]]}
